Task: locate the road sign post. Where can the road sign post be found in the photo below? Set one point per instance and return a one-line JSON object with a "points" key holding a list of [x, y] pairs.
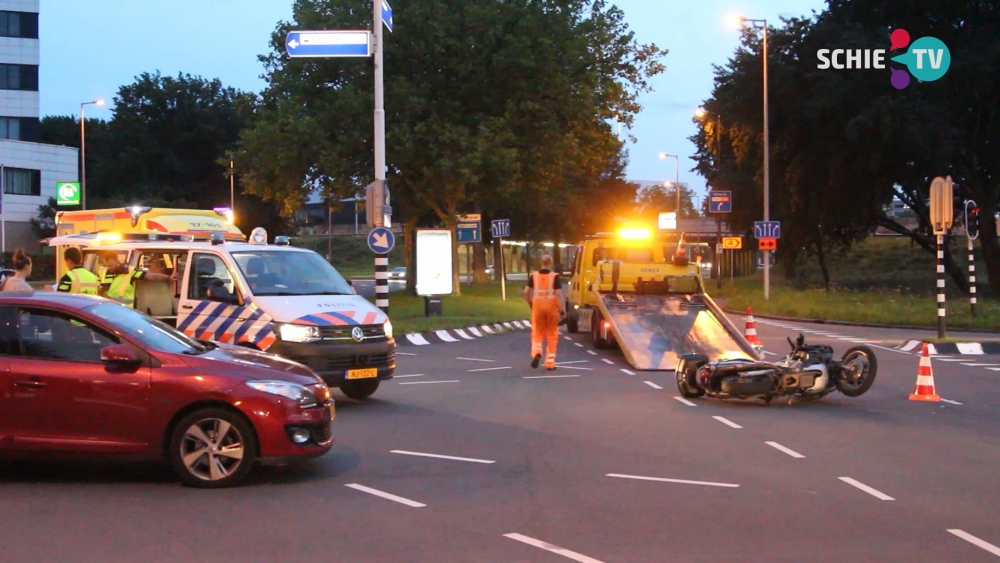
{"points": [[942, 211]]}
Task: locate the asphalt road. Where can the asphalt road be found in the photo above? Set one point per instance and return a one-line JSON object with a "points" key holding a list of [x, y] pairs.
{"points": [[549, 473]]}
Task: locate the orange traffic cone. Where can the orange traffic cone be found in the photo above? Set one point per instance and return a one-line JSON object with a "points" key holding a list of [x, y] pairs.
{"points": [[681, 247], [751, 330], [924, 390]]}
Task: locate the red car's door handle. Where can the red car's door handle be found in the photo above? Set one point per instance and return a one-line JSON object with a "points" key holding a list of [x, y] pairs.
{"points": [[30, 384]]}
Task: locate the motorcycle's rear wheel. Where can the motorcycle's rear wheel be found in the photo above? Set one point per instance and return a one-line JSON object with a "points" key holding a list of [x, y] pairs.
{"points": [[686, 370], [859, 368]]}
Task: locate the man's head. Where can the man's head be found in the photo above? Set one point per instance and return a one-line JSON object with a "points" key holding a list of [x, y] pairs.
{"points": [[546, 261], [73, 257], [110, 259]]}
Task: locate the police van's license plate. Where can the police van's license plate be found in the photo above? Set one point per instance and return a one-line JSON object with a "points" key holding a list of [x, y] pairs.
{"points": [[366, 373]]}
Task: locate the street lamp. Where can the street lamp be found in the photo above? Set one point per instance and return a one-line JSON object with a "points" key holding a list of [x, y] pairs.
{"points": [[677, 179], [767, 154], [83, 152]]}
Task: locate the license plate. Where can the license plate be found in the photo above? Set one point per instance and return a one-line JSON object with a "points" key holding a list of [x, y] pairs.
{"points": [[366, 373], [333, 410]]}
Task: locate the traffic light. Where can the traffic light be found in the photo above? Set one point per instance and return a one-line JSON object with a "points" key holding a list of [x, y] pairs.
{"points": [[972, 219]]}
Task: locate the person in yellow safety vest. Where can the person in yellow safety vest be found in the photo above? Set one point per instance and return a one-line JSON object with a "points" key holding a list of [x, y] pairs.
{"points": [[544, 295], [77, 278], [121, 283]]}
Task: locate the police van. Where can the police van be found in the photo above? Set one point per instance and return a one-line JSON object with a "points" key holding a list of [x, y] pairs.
{"points": [[275, 298]]}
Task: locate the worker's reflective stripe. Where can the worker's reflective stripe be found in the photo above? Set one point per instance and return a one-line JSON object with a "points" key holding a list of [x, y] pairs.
{"points": [[77, 285], [122, 289], [544, 285]]}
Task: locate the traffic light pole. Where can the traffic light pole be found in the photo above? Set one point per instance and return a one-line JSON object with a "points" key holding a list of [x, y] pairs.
{"points": [[381, 260]]}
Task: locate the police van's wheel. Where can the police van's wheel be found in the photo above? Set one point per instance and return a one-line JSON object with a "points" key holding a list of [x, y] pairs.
{"points": [[595, 326], [359, 390]]}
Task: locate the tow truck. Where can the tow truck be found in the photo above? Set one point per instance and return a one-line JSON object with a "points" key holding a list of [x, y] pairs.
{"points": [[628, 289]]}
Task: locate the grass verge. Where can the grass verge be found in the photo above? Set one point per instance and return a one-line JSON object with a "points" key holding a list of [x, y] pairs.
{"points": [[888, 306], [479, 304]]}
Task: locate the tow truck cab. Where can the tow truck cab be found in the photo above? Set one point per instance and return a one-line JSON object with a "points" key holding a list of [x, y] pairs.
{"points": [[274, 298]]}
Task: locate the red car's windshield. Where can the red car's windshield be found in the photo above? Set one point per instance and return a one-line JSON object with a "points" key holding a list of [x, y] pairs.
{"points": [[153, 334]]}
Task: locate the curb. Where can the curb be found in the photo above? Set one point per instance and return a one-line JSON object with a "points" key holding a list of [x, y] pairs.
{"points": [[958, 348], [866, 325], [453, 335]]}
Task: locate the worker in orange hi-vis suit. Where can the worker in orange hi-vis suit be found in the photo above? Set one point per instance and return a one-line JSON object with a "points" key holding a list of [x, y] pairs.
{"points": [[544, 295]]}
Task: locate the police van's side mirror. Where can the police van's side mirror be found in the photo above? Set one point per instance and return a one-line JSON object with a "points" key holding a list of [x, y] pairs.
{"points": [[218, 292]]}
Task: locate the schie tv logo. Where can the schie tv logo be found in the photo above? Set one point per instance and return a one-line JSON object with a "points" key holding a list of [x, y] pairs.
{"points": [[927, 59]]}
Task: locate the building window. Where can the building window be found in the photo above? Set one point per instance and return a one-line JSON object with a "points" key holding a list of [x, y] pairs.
{"points": [[19, 77], [21, 181], [19, 24], [19, 129]]}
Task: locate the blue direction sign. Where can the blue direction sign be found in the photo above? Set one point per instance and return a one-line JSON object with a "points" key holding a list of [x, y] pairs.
{"points": [[469, 231], [500, 228], [381, 240], [720, 201], [348, 43], [767, 229]]}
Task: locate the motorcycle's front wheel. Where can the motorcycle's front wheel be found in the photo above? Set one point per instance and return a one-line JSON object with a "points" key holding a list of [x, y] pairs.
{"points": [[686, 370], [858, 370]]}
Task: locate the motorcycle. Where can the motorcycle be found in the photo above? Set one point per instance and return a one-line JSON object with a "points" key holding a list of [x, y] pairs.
{"points": [[808, 373]]}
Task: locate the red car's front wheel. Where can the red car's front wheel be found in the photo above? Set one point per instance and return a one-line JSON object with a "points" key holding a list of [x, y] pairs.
{"points": [[212, 448]]}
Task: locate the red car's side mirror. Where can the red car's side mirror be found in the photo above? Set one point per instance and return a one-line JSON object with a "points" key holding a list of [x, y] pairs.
{"points": [[120, 356]]}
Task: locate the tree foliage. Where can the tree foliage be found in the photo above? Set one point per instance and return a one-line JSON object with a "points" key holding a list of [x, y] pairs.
{"points": [[493, 107]]}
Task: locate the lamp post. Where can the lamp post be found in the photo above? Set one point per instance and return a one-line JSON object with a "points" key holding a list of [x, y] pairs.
{"points": [[83, 152], [701, 113], [767, 154], [677, 180]]}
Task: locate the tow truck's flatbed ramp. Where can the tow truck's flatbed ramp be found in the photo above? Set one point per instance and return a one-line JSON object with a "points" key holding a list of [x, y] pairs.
{"points": [[654, 331]]}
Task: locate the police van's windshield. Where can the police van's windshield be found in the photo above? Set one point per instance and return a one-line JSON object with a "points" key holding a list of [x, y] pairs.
{"points": [[277, 272]]}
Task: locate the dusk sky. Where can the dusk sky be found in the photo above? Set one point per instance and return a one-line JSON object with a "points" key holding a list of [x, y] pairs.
{"points": [[92, 47]]}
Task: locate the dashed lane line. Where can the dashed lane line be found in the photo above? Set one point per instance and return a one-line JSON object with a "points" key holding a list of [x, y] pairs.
{"points": [[727, 422], [873, 492], [550, 376], [607, 361], [578, 345], [404, 354], [408, 375], [439, 456], [952, 402], [574, 367], [385, 495], [567, 338], [788, 451], [489, 369], [476, 360], [685, 401], [665, 480], [627, 372], [976, 541], [653, 385], [591, 352], [428, 382], [580, 558], [573, 362]]}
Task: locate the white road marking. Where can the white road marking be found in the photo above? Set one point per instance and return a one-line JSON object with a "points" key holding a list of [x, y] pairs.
{"points": [[769, 353], [573, 362], [476, 360], [439, 456], [952, 402], [404, 354], [574, 367], [993, 369], [727, 422], [552, 548], [607, 361], [443, 335], [591, 352], [410, 375], [686, 402], [429, 382], [385, 495], [653, 385], [549, 376], [627, 372], [986, 365], [978, 365], [866, 341], [488, 369], [664, 480], [890, 349], [567, 338], [578, 345], [475, 332], [936, 359], [417, 339], [788, 451], [462, 333], [976, 541], [866, 488]]}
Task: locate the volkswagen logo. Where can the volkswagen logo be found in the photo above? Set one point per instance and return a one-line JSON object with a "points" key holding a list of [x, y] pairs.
{"points": [[357, 334]]}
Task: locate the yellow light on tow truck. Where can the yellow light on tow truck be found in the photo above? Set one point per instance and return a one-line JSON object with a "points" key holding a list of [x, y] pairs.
{"points": [[634, 234], [109, 238]]}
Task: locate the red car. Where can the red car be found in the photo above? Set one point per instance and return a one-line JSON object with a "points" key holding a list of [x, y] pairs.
{"points": [[87, 377]]}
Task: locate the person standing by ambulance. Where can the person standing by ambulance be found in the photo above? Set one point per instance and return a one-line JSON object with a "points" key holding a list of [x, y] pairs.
{"points": [[544, 295], [77, 278], [121, 283]]}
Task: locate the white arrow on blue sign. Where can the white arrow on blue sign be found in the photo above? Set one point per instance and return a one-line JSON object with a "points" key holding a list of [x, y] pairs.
{"points": [[500, 228], [767, 229], [381, 240], [352, 43], [387, 15]]}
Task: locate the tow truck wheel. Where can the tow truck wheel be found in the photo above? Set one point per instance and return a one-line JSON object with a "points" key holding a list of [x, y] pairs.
{"points": [[572, 321], [595, 325], [359, 390]]}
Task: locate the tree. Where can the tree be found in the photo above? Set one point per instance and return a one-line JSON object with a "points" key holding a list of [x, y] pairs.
{"points": [[654, 200], [488, 102]]}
